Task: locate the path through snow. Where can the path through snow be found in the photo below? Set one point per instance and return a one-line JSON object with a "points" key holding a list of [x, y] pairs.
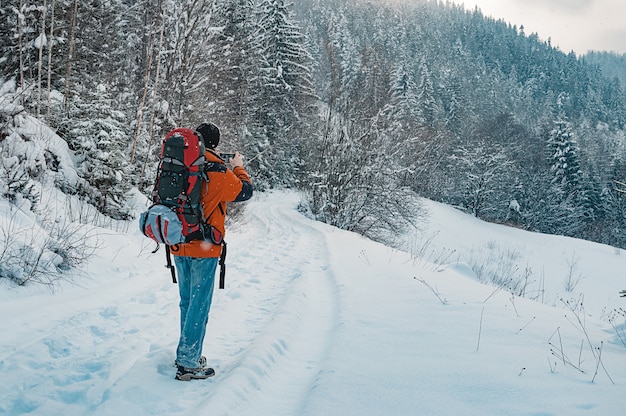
{"points": [[313, 321], [110, 348]]}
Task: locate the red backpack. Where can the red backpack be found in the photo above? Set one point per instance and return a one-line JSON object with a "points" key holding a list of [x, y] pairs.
{"points": [[176, 216]]}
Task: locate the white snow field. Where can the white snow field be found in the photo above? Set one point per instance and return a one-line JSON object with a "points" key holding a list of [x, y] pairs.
{"points": [[319, 321]]}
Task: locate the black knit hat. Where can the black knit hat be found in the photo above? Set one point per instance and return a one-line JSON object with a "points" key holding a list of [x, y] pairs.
{"points": [[210, 134]]}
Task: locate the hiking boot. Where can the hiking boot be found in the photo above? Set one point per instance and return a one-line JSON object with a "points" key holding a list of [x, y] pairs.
{"points": [[201, 362], [186, 374]]}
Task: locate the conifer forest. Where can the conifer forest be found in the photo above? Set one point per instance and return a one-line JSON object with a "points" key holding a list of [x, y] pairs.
{"points": [[363, 105]]}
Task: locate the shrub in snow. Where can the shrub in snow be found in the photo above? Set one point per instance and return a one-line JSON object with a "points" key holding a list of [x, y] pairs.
{"points": [[39, 242]]}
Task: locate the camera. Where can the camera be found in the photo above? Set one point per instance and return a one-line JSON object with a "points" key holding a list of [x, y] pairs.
{"points": [[227, 156]]}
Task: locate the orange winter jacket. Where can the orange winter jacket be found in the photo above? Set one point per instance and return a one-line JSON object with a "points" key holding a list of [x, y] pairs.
{"points": [[222, 187]]}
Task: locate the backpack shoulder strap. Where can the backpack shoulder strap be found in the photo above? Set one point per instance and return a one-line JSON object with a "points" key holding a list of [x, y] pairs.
{"points": [[215, 167], [169, 265]]}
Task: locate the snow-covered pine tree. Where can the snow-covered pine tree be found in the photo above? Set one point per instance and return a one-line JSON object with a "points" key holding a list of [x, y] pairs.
{"points": [[567, 194], [233, 67], [186, 69], [97, 133], [344, 64], [564, 163], [426, 99], [286, 85], [402, 111]]}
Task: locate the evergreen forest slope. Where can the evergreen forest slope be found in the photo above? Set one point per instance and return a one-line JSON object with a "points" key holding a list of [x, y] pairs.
{"points": [[363, 105]]}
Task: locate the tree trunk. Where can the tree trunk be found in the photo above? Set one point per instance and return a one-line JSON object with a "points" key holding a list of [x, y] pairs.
{"points": [[20, 43], [42, 35], [70, 57], [154, 93], [142, 103], [50, 59]]}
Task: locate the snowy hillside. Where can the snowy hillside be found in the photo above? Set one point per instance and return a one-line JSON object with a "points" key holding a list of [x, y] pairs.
{"points": [[318, 321]]}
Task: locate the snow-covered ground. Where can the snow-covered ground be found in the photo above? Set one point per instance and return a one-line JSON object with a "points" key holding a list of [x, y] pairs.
{"points": [[318, 321]]}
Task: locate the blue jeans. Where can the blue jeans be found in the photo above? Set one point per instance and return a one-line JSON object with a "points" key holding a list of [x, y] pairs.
{"points": [[196, 277]]}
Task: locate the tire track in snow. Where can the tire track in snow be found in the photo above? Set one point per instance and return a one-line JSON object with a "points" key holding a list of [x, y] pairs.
{"points": [[291, 317], [268, 335]]}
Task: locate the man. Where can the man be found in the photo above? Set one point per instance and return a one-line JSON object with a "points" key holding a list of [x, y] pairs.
{"points": [[197, 260]]}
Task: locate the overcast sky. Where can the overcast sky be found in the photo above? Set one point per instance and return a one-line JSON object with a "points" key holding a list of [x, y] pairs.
{"points": [[578, 25]]}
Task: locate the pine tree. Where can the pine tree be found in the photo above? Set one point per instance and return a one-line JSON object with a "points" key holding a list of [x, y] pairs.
{"points": [[402, 109], [344, 64], [286, 88], [426, 100], [19, 27], [564, 159], [96, 133], [232, 71], [186, 68], [575, 206]]}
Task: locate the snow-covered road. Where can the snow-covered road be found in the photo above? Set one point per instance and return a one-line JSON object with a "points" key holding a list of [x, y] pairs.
{"points": [[110, 345], [313, 321]]}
